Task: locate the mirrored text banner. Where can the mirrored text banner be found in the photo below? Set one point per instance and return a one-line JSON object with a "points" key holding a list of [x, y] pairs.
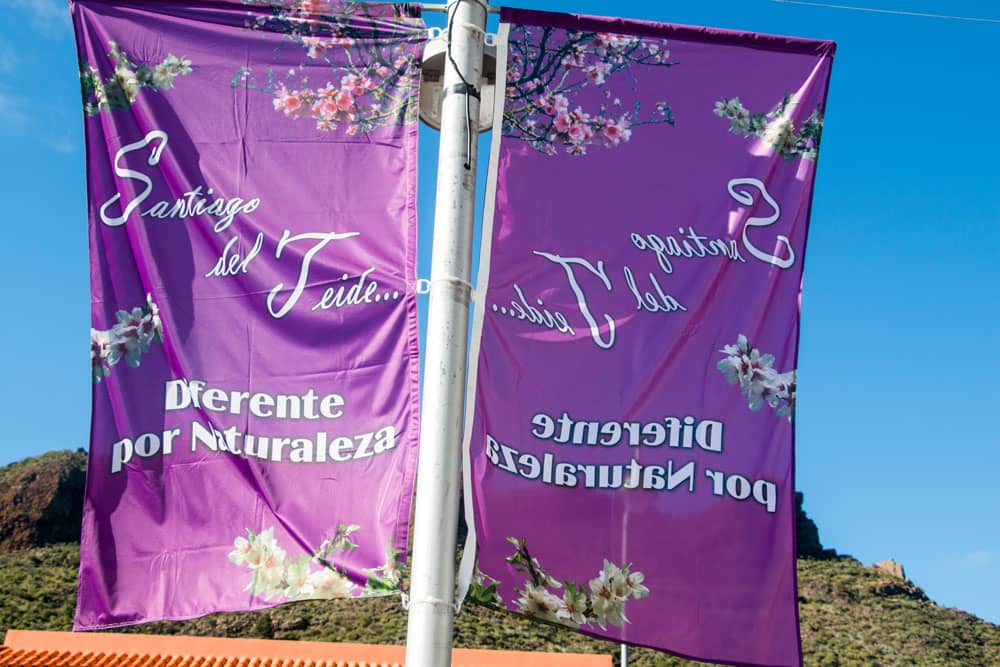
{"points": [[631, 449]]}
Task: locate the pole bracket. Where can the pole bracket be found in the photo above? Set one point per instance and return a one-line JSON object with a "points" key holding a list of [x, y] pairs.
{"points": [[461, 89]]}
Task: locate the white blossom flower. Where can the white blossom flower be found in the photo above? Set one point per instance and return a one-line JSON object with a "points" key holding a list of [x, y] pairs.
{"points": [[125, 342], [573, 609], [779, 133], [268, 580], [177, 66], [775, 128], [120, 90], [328, 584], [128, 82], [757, 378], [298, 579], [267, 560], [241, 548], [608, 594], [163, 77], [538, 602], [636, 589], [263, 546]]}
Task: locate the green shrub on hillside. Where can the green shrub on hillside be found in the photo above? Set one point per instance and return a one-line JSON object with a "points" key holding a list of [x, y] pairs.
{"points": [[850, 615]]}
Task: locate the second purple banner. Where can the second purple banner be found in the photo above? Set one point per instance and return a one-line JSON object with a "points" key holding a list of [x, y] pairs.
{"points": [[631, 445]]}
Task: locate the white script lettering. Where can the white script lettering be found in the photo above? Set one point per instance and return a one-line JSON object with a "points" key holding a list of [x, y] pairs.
{"points": [[321, 238], [746, 199]]}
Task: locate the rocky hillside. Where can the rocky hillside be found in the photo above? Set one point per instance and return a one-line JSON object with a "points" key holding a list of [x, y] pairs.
{"points": [[850, 614], [41, 500]]}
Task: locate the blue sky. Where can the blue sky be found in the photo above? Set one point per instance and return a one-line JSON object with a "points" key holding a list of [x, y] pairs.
{"points": [[898, 364]]}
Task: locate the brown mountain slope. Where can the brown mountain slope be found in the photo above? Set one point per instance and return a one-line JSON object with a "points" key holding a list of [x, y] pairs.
{"points": [[41, 500]]}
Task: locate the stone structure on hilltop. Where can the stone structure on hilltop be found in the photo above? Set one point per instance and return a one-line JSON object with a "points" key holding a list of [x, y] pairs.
{"points": [[891, 568]]}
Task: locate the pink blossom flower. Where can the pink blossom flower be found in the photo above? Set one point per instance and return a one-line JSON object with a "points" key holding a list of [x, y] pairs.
{"points": [[578, 133], [328, 91], [352, 83], [569, 62], [553, 104], [316, 46], [562, 122], [345, 100], [617, 132], [311, 6], [289, 101], [597, 72], [326, 108]]}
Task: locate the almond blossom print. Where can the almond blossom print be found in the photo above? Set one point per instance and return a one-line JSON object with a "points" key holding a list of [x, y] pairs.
{"points": [[121, 89], [275, 575], [544, 85], [758, 380], [775, 128], [371, 55], [600, 601], [130, 338]]}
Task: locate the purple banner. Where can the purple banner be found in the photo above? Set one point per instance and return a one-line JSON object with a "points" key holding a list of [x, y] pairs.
{"points": [[631, 449], [251, 170]]}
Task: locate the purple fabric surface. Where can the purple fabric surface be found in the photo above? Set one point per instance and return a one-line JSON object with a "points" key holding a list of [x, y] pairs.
{"points": [[632, 442], [251, 173]]}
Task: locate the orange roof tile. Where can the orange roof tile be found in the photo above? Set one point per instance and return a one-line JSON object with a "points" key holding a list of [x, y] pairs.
{"points": [[24, 648]]}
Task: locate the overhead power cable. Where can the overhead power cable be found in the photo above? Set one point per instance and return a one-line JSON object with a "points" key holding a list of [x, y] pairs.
{"points": [[897, 12]]}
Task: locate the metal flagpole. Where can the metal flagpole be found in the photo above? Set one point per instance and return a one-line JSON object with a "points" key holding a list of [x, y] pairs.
{"points": [[432, 576]]}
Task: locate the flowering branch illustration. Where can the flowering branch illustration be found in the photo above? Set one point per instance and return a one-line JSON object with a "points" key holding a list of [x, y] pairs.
{"points": [[759, 382], [273, 574], [385, 578], [129, 339], [543, 80], [601, 601], [119, 91], [372, 73], [775, 128]]}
